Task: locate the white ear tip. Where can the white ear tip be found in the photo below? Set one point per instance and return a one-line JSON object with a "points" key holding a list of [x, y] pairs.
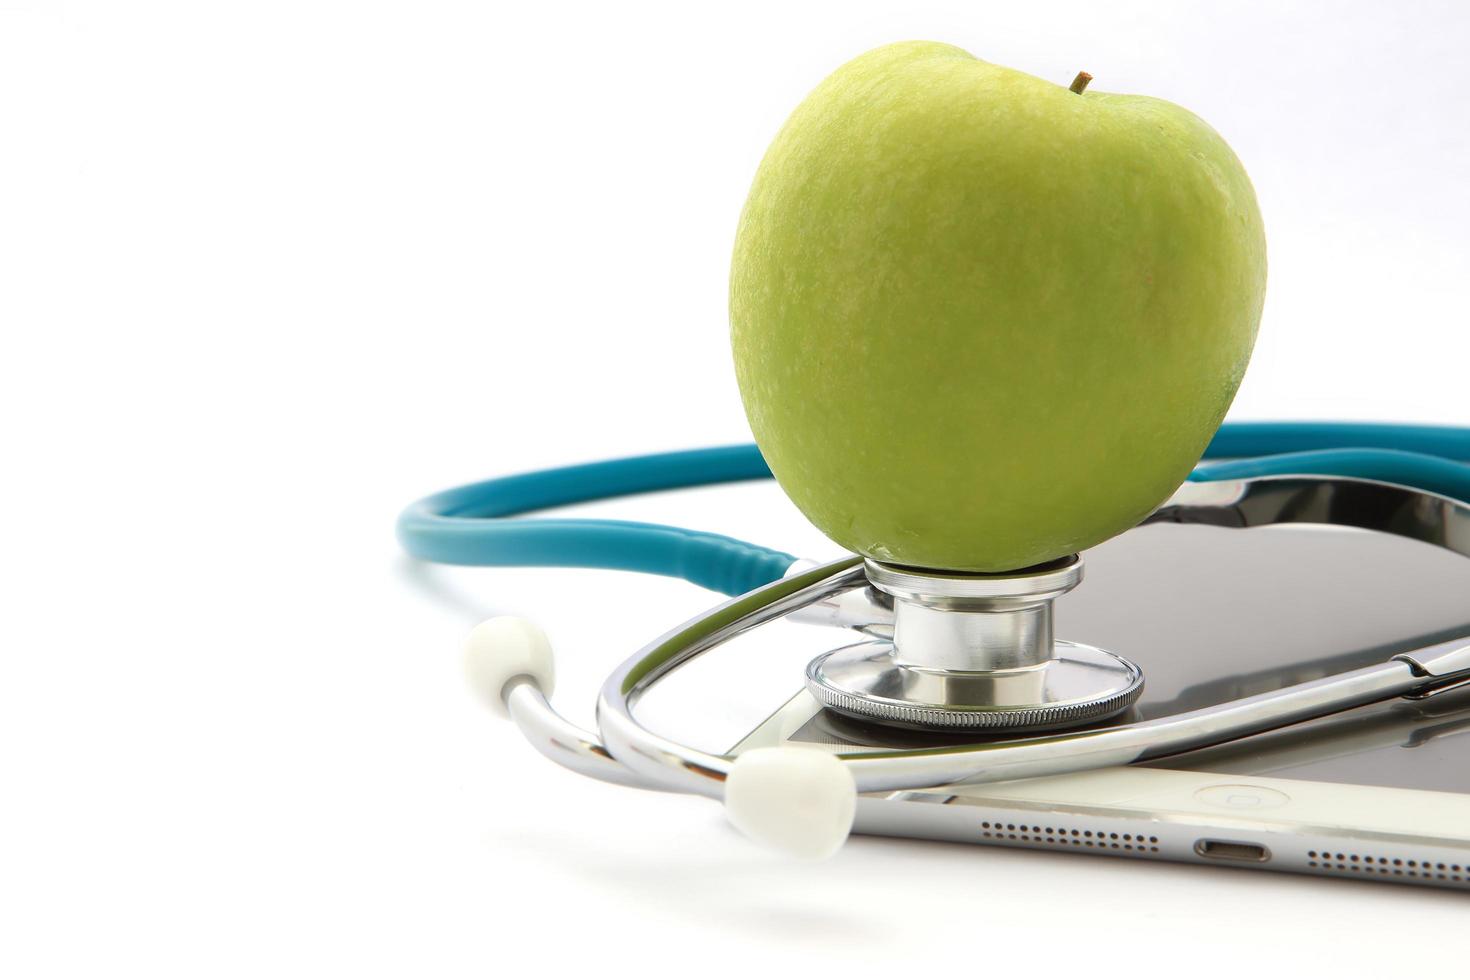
{"points": [[798, 801], [502, 648]]}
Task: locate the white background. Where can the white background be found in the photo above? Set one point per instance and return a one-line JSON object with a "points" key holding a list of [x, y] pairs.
{"points": [[268, 271]]}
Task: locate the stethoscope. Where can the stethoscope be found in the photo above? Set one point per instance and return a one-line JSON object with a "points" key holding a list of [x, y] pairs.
{"points": [[968, 655]]}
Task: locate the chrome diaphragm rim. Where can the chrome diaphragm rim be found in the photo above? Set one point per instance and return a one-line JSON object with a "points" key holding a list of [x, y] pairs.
{"points": [[1080, 685]]}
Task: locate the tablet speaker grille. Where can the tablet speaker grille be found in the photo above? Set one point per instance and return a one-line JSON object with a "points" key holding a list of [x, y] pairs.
{"points": [[1059, 836], [1336, 862]]}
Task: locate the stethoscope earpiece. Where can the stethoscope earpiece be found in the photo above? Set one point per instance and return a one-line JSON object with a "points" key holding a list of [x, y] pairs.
{"points": [[506, 649], [800, 802]]}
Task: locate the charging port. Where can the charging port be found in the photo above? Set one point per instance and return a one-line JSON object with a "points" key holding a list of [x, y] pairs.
{"points": [[1231, 850]]}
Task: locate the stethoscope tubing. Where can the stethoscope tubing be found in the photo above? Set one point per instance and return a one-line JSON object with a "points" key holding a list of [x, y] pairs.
{"points": [[470, 525], [485, 524]]}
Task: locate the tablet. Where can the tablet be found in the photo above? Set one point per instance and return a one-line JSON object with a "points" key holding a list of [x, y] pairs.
{"points": [[1213, 614]]}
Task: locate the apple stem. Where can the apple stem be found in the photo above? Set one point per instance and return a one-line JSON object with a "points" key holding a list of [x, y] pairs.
{"points": [[1080, 82]]}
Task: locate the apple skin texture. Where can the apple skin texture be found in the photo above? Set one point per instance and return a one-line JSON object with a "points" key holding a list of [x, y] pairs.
{"points": [[980, 321]]}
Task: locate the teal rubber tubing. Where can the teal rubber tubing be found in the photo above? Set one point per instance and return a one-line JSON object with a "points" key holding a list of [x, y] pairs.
{"points": [[1434, 474], [469, 525], [1240, 439], [1426, 457]]}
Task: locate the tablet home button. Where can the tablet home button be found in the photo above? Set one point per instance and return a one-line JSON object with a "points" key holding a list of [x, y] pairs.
{"points": [[1241, 796]]}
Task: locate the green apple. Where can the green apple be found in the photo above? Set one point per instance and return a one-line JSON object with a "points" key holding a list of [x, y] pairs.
{"points": [[981, 320]]}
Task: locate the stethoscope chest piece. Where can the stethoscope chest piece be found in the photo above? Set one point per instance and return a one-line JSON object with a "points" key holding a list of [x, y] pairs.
{"points": [[974, 653]]}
